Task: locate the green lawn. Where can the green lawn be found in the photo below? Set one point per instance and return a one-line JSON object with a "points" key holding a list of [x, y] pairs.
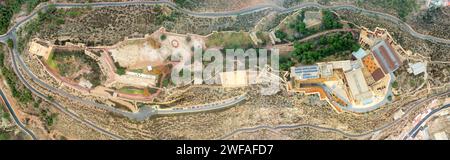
{"points": [[229, 40], [128, 90], [4, 136], [51, 62]]}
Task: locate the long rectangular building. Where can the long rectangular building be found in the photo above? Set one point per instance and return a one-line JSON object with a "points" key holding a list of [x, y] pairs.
{"points": [[358, 85], [305, 72], [386, 56]]}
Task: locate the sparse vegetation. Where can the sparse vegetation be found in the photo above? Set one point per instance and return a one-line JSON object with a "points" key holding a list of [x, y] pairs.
{"points": [[5, 115], [73, 13], [295, 28], [130, 90], [22, 94], [298, 26], [395, 84], [401, 7], [4, 135], [434, 21], [49, 19], [48, 117], [166, 82], [230, 40], [76, 65], [188, 39], [185, 3], [10, 43]]}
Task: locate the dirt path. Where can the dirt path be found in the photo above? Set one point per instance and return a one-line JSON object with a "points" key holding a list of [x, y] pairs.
{"points": [[289, 45]]}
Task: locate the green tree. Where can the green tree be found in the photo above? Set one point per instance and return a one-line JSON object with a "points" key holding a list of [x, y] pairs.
{"points": [[119, 69], [395, 84], [163, 37], [10, 43], [329, 21], [285, 63], [280, 34], [4, 135]]}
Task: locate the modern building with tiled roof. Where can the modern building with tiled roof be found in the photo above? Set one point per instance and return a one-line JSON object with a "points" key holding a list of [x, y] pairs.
{"points": [[305, 72], [373, 67], [386, 56]]}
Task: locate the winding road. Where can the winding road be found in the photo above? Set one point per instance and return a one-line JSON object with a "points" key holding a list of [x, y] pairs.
{"points": [[416, 128], [146, 112], [253, 9], [15, 118], [54, 103], [414, 104], [205, 107]]}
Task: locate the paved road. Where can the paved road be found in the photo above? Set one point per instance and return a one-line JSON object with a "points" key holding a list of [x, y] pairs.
{"points": [[145, 112], [16, 119], [416, 128], [386, 16], [249, 10], [414, 104], [315, 36], [73, 115], [206, 107]]}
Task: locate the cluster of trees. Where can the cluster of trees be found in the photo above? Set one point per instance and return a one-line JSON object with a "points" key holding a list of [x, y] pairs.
{"points": [[185, 3], [10, 43], [402, 7], [395, 84], [285, 63], [50, 18], [300, 26], [23, 95], [161, 17], [431, 14], [119, 69], [336, 44], [68, 67], [6, 13], [280, 34], [4, 135], [48, 117], [297, 26], [329, 20], [163, 37], [10, 7], [5, 115]]}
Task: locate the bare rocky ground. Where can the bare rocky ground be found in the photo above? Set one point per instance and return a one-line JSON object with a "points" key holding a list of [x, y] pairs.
{"points": [[269, 110], [433, 21], [289, 3], [34, 114], [435, 52], [216, 93], [292, 134], [199, 5], [224, 5], [107, 26]]}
